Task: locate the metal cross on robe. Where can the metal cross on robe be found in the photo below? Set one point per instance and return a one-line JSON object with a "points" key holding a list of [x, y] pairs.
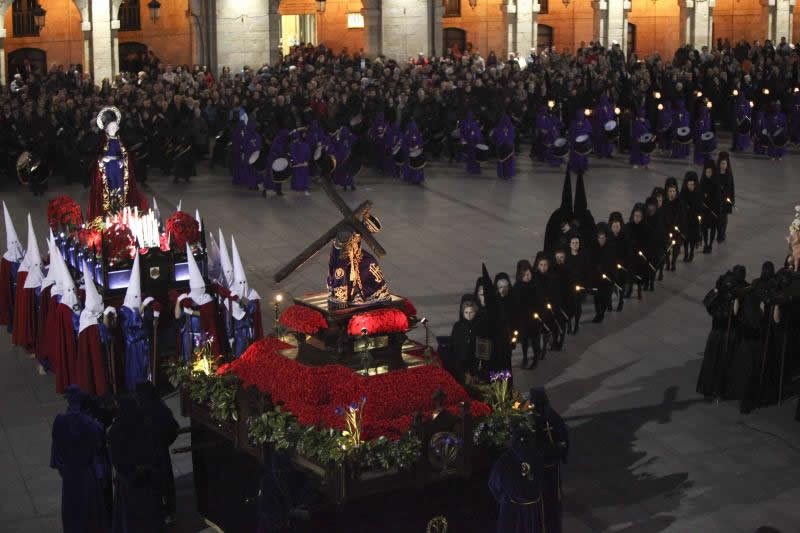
{"points": [[353, 220]]}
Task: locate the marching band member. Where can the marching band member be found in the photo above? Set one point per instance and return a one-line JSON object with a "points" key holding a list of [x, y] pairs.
{"points": [[246, 141], [8, 271], [196, 313], [503, 137], [602, 113], [343, 143], [757, 130], [471, 137], [580, 126], [743, 112], [244, 327], [278, 148], [665, 129], [776, 123], [377, 142], [412, 141], [300, 157], [640, 127], [702, 124], [548, 129], [393, 144], [681, 119]]}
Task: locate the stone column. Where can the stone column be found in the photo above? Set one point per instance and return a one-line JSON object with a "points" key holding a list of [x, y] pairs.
{"points": [[115, 46], [372, 27], [779, 19], [86, 28], [509, 17], [102, 62], [406, 28], [695, 16], [438, 27], [611, 22], [524, 33], [2, 56]]}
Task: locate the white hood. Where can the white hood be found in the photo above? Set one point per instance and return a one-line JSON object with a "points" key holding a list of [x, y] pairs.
{"points": [[33, 259], [69, 294], [93, 303], [50, 278], [14, 252], [225, 261], [197, 286], [240, 287], [133, 295]]}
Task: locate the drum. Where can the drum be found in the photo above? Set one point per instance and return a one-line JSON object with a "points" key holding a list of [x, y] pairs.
{"points": [[683, 135], [260, 164], [504, 152], [647, 143], [611, 129], [398, 155], [481, 153], [253, 157], [416, 159], [356, 123], [763, 138], [326, 163], [24, 163], [780, 138], [743, 126], [707, 142], [582, 145], [560, 147], [281, 170]]}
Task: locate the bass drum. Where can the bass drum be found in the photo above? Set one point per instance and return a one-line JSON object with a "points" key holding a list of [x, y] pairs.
{"points": [[582, 145], [647, 143], [744, 126], [504, 152], [763, 138], [683, 135], [708, 142], [416, 159], [281, 171], [560, 147], [481, 153], [780, 138], [611, 129]]}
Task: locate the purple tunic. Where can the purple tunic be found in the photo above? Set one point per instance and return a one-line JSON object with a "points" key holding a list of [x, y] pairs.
{"points": [[411, 142], [300, 154], [758, 125], [701, 126], [503, 136], [246, 142], [580, 126], [794, 119], [742, 111], [774, 121], [602, 113], [640, 126], [472, 136], [680, 119], [276, 150], [342, 146], [391, 139], [665, 129]]}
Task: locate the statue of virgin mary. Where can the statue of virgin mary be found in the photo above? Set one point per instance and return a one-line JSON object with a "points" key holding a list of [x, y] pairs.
{"points": [[113, 182]]}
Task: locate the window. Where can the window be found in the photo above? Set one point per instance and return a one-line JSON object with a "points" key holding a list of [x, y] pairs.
{"points": [[23, 21], [452, 8], [129, 19], [543, 8], [355, 20], [544, 39]]}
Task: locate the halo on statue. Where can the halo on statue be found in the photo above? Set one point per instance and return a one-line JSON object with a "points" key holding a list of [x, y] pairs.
{"points": [[102, 112]]}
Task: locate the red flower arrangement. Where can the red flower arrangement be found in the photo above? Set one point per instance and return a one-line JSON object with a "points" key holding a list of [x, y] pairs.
{"points": [[163, 242], [120, 243], [377, 322], [63, 211], [92, 239], [312, 394], [303, 319], [182, 229], [408, 308]]}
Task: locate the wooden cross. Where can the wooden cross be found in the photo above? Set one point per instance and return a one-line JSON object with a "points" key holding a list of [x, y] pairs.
{"points": [[352, 219]]}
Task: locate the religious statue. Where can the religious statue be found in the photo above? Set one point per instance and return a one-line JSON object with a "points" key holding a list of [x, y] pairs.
{"points": [[113, 182], [354, 276]]}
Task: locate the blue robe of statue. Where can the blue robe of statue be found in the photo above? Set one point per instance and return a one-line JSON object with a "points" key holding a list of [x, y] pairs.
{"points": [[665, 129], [504, 135], [701, 126], [137, 331], [776, 120], [602, 113], [300, 159], [680, 119], [412, 141], [78, 452], [243, 332], [741, 111], [471, 135], [246, 141], [516, 484], [580, 126], [640, 126]]}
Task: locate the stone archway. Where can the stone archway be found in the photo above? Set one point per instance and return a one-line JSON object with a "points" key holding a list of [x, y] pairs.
{"points": [[35, 57]]}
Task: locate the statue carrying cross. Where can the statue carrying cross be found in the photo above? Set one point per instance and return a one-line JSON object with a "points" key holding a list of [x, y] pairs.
{"points": [[354, 276]]}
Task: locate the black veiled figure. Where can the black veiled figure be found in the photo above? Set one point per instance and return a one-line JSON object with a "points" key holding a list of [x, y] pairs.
{"points": [[638, 261], [524, 301], [603, 266], [674, 217], [462, 339], [618, 239], [712, 204], [692, 200], [579, 274], [552, 439]]}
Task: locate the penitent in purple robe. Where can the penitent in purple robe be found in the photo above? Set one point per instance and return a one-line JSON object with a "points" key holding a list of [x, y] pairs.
{"points": [[471, 136], [680, 119], [701, 126], [376, 142], [503, 137], [246, 141], [300, 155], [548, 129], [794, 118], [741, 111], [580, 126], [602, 113], [639, 127], [342, 149], [412, 141], [773, 122], [665, 127], [392, 138]]}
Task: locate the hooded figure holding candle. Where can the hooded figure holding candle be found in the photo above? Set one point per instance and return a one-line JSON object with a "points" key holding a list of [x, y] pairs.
{"points": [[243, 320], [136, 321], [196, 313]]}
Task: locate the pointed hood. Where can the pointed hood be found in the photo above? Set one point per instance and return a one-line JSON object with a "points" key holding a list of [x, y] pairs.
{"points": [[69, 293], [552, 232], [55, 266], [93, 303], [33, 259], [239, 286], [50, 278], [197, 285], [580, 196], [225, 262], [180, 204], [133, 295], [214, 265], [14, 252], [198, 219], [155, 208]]}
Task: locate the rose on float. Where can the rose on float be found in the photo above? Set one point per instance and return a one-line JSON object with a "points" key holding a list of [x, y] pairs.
{"points": [[378, 322], [64, 211], [119, 242], [303, 319], [183, 229], [92, 239]]}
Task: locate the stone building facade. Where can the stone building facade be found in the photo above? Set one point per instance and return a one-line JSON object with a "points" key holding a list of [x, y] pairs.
{"points": [[102, 34]]}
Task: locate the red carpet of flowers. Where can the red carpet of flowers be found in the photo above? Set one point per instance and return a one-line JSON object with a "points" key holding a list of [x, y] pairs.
{"points": [[63, 211], [303, 319], [312, 394], [183, 228], [378, 322]]}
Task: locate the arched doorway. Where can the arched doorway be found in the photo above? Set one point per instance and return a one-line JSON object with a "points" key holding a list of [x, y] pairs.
{"points": [[131, 56], [544, 37], [27, 61], [454, 37], [631, 39]]}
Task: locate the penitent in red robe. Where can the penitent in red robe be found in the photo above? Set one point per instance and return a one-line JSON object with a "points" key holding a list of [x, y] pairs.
{"points": [[134, 198], [6, 298], [41, 330], [26, 323], [20, 314], [90, 368], [64, 351]]}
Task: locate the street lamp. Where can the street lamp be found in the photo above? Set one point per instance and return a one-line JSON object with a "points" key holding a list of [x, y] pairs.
{"points": [[565, 2], [473, 3], [320, 6], [155, 8], [38, 16]]}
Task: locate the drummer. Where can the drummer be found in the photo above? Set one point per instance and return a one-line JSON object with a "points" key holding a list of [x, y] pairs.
{"points": [[548, 129], [343, 142], [414, 172], [503, 138], [680, 119], [602, 115], [794, 117], [278, 149], [580, 127], [776, 123], [639, 129], [471, 137], [300, 157], [392, 144], [742, 114], [702, 125], [665, 130]]}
